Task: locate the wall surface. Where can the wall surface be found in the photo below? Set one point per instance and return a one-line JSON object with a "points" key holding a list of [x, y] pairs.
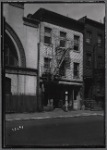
{"points": [[27, 35], [31, 46], [74, 56], [89, 48], [23, 84]]}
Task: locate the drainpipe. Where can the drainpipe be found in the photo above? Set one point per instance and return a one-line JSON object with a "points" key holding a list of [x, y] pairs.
{"points": [[94, 60], [2, 92], [38, 76]]}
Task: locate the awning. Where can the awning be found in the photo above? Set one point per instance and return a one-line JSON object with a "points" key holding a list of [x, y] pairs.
{"points": [[71, 83]]}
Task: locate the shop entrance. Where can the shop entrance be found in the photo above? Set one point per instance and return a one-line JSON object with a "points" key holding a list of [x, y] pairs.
{"points": [[56, 93]]}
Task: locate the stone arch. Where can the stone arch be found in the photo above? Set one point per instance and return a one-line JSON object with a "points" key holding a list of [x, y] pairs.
{"points": [[19, 47]]}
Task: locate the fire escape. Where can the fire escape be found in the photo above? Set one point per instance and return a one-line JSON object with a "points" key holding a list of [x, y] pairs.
{"points": [[60, 56]]}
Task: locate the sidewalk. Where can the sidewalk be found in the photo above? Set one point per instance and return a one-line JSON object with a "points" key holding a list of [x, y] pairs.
{"points": [[56, 113]]}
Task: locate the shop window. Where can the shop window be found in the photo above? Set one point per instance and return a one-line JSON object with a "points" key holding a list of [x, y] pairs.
{"points": [[62, 39], [47, 35], [88, 37], [76, 70], [76, 42]]}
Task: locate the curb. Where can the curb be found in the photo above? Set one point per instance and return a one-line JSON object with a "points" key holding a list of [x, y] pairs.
{"points": [[50, 117]]}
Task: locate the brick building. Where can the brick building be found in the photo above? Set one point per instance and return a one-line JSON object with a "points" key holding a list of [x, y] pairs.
{"points": [[94, 59], [60, 56]]}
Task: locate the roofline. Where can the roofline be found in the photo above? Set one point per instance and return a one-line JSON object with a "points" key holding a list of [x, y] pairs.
{"points": [[40, 14], [43, 9], [91, 21]]}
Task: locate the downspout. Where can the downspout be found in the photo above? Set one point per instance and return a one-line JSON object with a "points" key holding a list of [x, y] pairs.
{"points": [[38, 65]]}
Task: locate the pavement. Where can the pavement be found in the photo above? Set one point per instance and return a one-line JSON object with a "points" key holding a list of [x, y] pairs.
{"points": [[56, 113]]}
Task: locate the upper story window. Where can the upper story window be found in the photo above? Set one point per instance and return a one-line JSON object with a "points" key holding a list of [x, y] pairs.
{"points": [[62, 39], [47, 35], [99, 39], [100, 62], [89, 60], [76, 42], [11, 58], [62, 69], [76, 70], [47, 64], [88, 37]]}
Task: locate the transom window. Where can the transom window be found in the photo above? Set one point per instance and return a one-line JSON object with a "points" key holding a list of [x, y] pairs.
{"points": [[62, 39], [76, 42], [47, 35], [76, 70]]}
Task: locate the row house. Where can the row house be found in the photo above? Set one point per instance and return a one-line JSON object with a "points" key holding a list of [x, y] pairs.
{"points": [[60, 57], [94, 59]]}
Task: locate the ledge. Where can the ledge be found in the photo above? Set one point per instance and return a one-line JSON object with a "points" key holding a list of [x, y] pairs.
{"points": [[21, 71], [30, 22]]}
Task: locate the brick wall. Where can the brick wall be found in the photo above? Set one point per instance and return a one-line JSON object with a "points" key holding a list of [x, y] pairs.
{"points": [[74, 56]]}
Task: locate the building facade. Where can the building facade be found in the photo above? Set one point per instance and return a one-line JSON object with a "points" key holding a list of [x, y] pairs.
{"points": [[20, 65], [60, 57], [94, 59], [43, 59]]}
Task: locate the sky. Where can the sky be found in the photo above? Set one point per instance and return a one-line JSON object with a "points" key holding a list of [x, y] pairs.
{"points": [[94, 11]]}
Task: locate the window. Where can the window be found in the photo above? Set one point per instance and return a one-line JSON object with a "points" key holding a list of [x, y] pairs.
{"points": [[76, 42], [75, 94], [89, 59], [88, 37], [76, 70], [47, 62], [99, 40], [11, 58], [7, 85], [62, 69], [62, 39], [47, 35], [100, 62]]}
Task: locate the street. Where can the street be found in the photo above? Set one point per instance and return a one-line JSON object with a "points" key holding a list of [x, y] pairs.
{"points": [[59, 132]]}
